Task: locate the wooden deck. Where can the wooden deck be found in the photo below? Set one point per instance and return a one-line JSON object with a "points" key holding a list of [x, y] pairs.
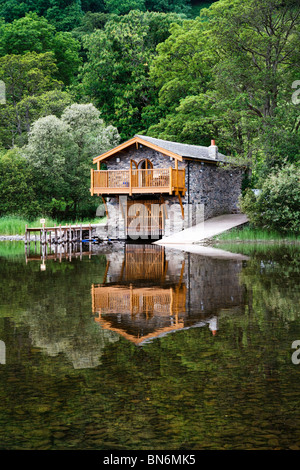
{"points": [[134, 181], [58, 234]]}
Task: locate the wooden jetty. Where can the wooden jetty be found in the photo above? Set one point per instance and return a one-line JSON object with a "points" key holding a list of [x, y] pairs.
{"points": [[58, 234], [66, 254]]}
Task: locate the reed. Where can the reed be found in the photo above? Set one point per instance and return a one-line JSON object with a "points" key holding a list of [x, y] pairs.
{"points": [[250, 234], [14, 225]]}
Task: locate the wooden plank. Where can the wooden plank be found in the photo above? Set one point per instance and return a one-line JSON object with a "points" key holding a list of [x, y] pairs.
{"points": [[92, 182], [133, 141], [130, 178], [105, 206], [181, 205], [170, 183]]}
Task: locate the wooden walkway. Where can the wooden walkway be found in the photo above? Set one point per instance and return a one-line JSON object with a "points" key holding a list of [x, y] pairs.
{"points": [[58, 234]]}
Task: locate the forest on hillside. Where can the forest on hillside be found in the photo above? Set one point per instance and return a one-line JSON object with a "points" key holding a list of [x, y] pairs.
{"points": [[79, 77]]}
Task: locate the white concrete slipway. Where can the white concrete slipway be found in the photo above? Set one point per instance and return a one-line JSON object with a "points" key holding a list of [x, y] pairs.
{"points": [[190, 239]]}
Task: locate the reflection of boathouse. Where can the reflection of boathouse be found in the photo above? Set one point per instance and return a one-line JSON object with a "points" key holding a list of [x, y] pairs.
{"points": [[139, 302], [148, 292]]}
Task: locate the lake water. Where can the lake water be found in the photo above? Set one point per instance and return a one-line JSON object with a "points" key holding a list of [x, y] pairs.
{"points": [[139, 347]]}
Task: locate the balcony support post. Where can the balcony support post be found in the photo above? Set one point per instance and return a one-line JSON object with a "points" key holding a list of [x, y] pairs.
{"points": [[92, 182], [130, 179]]}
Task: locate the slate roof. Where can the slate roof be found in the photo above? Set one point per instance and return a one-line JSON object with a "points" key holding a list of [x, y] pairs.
{"points": [[196, 152]]}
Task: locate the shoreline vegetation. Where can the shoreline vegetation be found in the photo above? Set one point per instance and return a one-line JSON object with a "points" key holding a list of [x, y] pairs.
{"points": [[248, 234], [79, 78], [15, 226]]}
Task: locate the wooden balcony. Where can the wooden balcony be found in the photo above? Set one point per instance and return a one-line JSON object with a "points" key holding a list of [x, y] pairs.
{"points": [[135, 181]]}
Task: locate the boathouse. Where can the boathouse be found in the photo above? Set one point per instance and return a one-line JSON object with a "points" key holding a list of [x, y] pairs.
{"points": [[156, 187]]}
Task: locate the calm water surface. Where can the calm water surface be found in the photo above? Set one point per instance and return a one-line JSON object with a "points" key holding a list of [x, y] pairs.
{"points": [[140, 347]]}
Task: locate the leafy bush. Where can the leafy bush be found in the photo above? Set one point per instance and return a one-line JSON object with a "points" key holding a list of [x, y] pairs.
{"points": [[277, 206], [17, 193]]}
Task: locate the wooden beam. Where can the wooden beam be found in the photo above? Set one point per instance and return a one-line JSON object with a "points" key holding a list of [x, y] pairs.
{"points": [[114, 150], [159, 149], [176, 169], [105, 205], [137, 140], [130, 179], [181, 205], [92, 182], [106, 272]]}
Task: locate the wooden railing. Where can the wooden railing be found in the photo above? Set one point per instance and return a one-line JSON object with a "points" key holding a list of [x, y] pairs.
{"points": [[137, 181], [135, 300]]}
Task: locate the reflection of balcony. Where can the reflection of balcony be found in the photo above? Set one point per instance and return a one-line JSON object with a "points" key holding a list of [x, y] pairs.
{"points": [[135, 181], [138, 302], [139, 314]]}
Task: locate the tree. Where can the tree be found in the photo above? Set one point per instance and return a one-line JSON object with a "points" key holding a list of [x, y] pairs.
{"points": [[63, 14], [35, 34], [93, 6], [277, 204], [241, 58], [17, 192], [115, 77], [33, 107], [50, 146], [60, 150], [25, 76], [182, 70], [90, 22], [124, 7], [177, 6], [264, 61]]}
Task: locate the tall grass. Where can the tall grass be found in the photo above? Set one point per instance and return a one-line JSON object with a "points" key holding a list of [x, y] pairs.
{"points": [[250, 234], [16, 225]]}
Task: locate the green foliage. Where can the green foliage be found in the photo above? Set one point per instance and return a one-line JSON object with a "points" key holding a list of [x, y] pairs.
{"points": [[63, 14], [66, 15], [90, 22], [277, 206], [17, 194], [93, 5], [16, 225], [228, 74], [26, 77], [166, 6], [64, 18], [60, 152], [35, 34], [251, 234], [115, 76], [124, 7]]}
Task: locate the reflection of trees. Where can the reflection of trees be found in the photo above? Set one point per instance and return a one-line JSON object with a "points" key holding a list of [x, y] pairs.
{"points": [[55, 332], [56, 305], [272, 277], [190, 390]]}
